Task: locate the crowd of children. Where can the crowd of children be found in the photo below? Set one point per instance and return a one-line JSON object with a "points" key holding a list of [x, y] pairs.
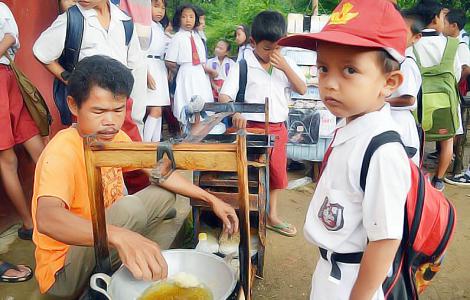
{"points": [[372, 63]]}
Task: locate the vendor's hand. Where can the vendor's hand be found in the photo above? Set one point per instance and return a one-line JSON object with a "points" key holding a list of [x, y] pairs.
{"points": [[140, 255], [278, 60], [227, 214], [151, 84], [239, 121]]}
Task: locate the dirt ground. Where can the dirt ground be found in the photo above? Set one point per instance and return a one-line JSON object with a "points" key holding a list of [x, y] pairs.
{"points": [[290, 261]]}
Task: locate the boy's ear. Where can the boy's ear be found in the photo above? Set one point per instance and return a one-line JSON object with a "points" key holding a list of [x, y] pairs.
{"points": [[252, 42], [393, 81], [72, 105]]}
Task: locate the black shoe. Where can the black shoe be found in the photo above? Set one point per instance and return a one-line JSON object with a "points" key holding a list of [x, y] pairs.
{"points": [[25, 234], [434, 155], [460, 180], [438, 184]]}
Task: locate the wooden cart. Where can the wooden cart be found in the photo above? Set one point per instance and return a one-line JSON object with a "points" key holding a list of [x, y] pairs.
{"points": [[199, 157]]}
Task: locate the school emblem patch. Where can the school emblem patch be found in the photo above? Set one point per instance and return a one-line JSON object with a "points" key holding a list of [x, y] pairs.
{"points": [[331, 215], [344, 15]]}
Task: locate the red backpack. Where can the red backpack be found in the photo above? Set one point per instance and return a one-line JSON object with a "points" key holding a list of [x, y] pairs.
{"points": [[428, 229]]}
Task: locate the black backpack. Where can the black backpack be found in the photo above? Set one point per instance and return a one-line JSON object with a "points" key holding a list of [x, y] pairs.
{"points": [[69, 58], [242, 80]]}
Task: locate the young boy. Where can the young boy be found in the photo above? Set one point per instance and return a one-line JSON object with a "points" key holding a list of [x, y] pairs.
{"points": [[359, 51], [270, 75], [222, 64], [99, 87], [404, 100]]}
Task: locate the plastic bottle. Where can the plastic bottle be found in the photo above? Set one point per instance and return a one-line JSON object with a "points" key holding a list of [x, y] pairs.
{"points": [[205, 245]]}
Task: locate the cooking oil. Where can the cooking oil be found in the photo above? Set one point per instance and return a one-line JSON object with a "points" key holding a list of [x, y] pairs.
{"points": [[171, 291]]}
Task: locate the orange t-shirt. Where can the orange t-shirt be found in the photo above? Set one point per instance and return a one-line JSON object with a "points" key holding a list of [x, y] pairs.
{"points": [[61, 173]]}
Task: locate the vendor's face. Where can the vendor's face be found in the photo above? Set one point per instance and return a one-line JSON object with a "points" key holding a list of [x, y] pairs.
{"points": [[102, 114], [188, 19], [352, 81], [89, 4]]}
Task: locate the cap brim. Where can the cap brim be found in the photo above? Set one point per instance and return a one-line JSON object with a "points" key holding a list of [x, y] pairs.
{"points": [[310, 41]]}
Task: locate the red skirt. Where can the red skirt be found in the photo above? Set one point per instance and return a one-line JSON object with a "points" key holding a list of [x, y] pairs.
{"points": [[278, 155], [15, 120]]}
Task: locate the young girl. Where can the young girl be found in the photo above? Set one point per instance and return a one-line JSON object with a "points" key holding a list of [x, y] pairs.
{"points": [[158, 94], [242, 38], [221, 63], [187, 56], [17, 125]]}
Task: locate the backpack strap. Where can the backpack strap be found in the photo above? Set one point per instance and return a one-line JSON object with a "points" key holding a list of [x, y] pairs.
{"points": [[450, 52], [243, 77], [377, 141], [129, 30], [73, 38]]}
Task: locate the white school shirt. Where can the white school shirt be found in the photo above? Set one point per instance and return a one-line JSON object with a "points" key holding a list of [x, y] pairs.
{"points": [[464, 54], [341, 217], [179, 49], [8, 25], [463, 37], [243, 50], [260, 84], [430, 50], [159, 43], [412, 80], [96, 39], [222, 69]]}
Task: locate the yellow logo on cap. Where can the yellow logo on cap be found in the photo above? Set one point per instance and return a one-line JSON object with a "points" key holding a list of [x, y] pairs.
{"points": [[344, 16]]}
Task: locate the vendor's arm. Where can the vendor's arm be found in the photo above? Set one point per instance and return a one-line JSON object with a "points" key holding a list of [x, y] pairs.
{"points": [[6, 43], [402, 101], [296, 80], [375, 265], [140, 255], [177, 184]]}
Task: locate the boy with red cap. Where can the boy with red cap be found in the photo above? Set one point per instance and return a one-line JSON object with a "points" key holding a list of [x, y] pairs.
{"points": [[358, 231]]}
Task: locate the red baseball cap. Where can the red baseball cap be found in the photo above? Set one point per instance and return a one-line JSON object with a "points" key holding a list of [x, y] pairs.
{"points": [[361, 23]]}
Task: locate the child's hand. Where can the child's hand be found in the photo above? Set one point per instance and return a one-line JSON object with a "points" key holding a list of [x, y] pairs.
{"points": [[278, 61], [239, 121], [212, 73], [151, 84]]}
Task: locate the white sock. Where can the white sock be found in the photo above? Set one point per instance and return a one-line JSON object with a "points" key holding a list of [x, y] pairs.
{"points": [[149, 128], [158, 130]]}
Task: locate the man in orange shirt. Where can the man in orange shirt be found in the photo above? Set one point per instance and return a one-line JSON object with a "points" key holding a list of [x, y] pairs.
{"points": [[99, 87]]}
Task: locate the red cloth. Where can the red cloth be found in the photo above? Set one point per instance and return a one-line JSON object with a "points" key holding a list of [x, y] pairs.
{"points": [[15, 120], [463, 87], [278, 155], [135, 180], [195, 55], [219, 83]]}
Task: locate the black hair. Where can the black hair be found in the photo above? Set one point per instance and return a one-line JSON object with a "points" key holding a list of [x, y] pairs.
{"points": [[389, 63], [427, 10], [417, 23], [179, 12], [229, 46], [268, 26], [457, 16], [200, 11], [247, 32], [165, 21], [101, 71]]}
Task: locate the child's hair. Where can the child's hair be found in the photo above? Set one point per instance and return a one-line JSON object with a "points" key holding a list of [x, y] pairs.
{"points": [[165, 21], [457, 16], [427, 10], [229, 46], [101, 71], [247, 32], [200, 11], [389, 63], [179, 12], [417, 23], [268, 26]]}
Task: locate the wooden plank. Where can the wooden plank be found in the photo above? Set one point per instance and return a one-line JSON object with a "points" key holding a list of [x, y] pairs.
{"points": [[95, 193], [234, 107], [262, 199], [229, 198], [121, 146], [185, 160], [244, 216]]}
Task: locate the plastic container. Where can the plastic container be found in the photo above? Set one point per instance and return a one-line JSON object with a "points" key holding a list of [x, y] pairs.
{"points": [[205, 245], [313, 152]]}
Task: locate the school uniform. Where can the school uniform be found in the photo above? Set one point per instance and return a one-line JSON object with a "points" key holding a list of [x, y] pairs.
{"points": [[100, 41], [157, 68], [430, 49], [243, 50], [275, 86], [341, 217], [15, 120], [402, 115], [464, 37], [223, 69], [186, 49]]}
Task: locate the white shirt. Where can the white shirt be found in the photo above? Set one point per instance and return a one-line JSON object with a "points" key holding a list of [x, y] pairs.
{"points": [[243, 50], [260, 84], [8, 25], [463, 37], [464, 54], [179, 49], [222, 69], [431, 49], [341, 217], [159, 43], [96, 39], [411, 82]]}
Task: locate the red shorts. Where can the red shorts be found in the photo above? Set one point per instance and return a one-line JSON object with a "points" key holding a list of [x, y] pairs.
{"points": [[15, 120], [278, 156]]}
